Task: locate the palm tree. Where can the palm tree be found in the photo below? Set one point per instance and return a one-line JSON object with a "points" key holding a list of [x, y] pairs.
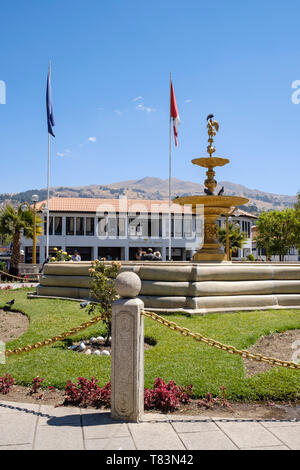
{"points": [[236, 237], [12, 223]]}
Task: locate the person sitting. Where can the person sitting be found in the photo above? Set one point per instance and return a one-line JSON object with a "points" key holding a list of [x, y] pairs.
{"points": [[139, 256], [157, 256], [76, 256], [149, 256]]}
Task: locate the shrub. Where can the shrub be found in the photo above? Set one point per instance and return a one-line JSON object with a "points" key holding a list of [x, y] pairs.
{"points": [[166, 397], [36, 384], [87, 393], [103, 289], [250, 257], [6, 384], [60, 255]]}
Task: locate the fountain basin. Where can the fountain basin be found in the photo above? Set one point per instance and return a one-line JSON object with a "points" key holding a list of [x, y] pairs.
{"points": [[195, 288]]}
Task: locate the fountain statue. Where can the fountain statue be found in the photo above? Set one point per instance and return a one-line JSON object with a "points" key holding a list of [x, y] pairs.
{"points": [[214, 205]]}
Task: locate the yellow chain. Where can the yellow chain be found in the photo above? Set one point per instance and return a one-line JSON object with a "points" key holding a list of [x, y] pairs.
{"points": [[56, 338], [18, 277], [216, 344]]}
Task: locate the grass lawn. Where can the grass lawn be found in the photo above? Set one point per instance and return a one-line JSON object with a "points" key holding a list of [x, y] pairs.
{"points": [[173, 358]]}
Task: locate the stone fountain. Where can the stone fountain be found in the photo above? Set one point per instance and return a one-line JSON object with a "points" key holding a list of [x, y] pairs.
{"points": [[214, 205], [199, 287]]}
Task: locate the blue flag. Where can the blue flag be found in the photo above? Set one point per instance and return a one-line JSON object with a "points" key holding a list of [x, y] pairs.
{"points": [[50, 115]]}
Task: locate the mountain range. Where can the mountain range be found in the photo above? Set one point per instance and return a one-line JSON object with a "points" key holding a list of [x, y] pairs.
{"points": [[157, 188]]}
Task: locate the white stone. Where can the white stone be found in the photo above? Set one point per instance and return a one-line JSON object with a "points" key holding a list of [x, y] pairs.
{"points": [[93, 340], [100, 338], [128, 284], [88, 351], [72, 347], [97, 353], [105, 353], [82, 346]]}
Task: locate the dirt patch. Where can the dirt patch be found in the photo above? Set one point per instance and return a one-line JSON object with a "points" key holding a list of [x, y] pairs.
{"points": [[277, 345], [286, 411], [12, 325]]}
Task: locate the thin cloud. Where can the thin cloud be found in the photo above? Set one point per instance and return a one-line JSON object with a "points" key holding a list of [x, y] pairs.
{"points": [[118, 112], [138, 98], [65, 153], [188, 101], [147, 109], [92, 139]]}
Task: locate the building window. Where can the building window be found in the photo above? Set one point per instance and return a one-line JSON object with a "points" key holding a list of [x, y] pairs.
{"points": [[58, 226], [246, 227], [28, 254], [79, 225], [90, 226], [50, 225], [70, 226], [84, 251]]}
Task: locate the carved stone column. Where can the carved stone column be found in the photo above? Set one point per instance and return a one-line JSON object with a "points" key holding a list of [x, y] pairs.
{"points": [[127, 368]]}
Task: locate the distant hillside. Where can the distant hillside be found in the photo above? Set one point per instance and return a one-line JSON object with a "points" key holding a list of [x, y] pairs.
{"points": [[156, 188]]}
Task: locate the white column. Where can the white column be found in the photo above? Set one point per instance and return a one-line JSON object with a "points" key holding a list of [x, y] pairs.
{"points": [[127, 361]]}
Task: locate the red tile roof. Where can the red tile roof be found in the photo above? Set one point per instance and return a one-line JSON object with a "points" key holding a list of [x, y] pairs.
{"points": [[94, 205]]}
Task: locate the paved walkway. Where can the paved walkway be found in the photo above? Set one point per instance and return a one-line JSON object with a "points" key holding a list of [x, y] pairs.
{"points": [[31, 426]]}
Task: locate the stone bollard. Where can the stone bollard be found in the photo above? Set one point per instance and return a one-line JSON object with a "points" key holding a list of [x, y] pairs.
{"points": [[127, 360]]}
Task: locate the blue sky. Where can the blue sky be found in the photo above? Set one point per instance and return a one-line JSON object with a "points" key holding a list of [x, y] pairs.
{"points": [[110, 79]]}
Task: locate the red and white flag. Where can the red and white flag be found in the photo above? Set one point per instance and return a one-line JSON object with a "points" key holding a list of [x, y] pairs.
{"points": [[174, 113]]}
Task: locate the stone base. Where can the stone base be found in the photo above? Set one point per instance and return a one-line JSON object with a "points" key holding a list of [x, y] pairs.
{"points": [[209, 257], [199, 287]]}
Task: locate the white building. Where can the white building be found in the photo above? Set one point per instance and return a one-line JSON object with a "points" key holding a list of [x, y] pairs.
{"points": [[259, 253], [116, 228]]}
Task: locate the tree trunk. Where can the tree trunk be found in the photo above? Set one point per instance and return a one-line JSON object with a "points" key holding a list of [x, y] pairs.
{"points": [[15, 255]]}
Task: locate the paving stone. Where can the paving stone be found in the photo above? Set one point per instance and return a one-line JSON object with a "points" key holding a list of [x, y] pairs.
{"points": [[15, 407], [209, 440], [62, 416], [194, 426], [159, 417], [17, 428], [267, 448], [100, 425], [289, 435], [58, 438], [17, 447], [248, 435], [114, 443], [155, 436], [280, 424]]}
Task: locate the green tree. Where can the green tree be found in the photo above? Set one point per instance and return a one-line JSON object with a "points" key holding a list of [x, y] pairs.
{"points": [[297, 204], [236, 237], [278, 231], [14, 222]]}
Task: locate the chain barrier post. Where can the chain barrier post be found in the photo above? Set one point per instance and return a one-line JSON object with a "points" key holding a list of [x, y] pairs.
{"points": [[127, 367]]}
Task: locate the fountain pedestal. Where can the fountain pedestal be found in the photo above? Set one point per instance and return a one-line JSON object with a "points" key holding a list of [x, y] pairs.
{"points": [[214, 205]]}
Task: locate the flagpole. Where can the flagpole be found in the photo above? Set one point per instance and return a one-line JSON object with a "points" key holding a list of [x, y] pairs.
{"points": [[48, 187], [170, 175], [48, 199]]}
